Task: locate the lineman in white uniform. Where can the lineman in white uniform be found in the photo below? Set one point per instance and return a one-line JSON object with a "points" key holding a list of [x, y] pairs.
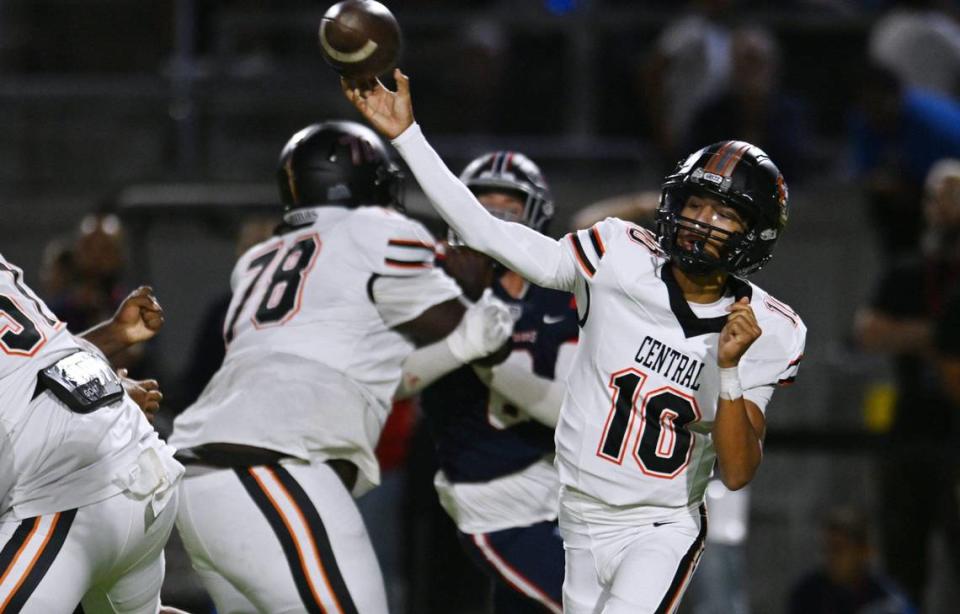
{"points": [[87, 489], [677, 360], [322, 317]]}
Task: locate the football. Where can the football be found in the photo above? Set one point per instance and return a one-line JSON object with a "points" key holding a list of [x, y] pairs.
{"points": [[360, 39]]}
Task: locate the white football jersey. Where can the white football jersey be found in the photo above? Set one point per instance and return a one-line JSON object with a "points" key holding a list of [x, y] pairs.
{"points": [[51, 458], [635, 428], [312, 359]]}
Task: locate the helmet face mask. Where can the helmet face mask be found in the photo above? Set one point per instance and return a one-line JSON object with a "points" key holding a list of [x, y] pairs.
{"points": [[511, 172], [740, 176]]}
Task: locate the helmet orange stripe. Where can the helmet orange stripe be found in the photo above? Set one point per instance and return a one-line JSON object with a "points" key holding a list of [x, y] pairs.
{"points": [[734, 159], [717, 158]]}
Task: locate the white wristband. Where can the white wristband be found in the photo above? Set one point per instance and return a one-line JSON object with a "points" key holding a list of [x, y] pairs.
{"points": [[730, 384]]}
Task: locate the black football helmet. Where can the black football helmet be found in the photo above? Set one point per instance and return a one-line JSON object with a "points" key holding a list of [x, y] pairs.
{"points": [[513, 172], [741, 176], [339, 163]]}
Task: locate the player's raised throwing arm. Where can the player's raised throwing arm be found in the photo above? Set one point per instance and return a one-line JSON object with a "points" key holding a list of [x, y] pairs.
{"points": [[540, 259]]}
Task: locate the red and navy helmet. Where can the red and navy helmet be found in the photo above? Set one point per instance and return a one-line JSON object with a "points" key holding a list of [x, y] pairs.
{"points": [[741, 176], [339, 163], [514, 173]]}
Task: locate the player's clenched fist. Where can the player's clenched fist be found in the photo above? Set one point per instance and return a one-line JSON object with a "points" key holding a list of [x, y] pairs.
{"points": [[486, 326], [738, 334], [139, 317]]}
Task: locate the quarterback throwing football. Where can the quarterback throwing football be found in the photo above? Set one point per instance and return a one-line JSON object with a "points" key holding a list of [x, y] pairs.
{"points": [[677, 360]]}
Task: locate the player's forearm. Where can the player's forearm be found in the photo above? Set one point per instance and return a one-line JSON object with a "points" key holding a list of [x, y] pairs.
{"points": [[425, 366], [737, 444], [531, 254], [538, 397], [107, 337]]}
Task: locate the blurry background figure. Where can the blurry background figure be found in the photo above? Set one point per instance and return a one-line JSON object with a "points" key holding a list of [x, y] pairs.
{"points": [[918, 469], [919, 42], [898, 133], [639, 208], [690, 65], [720, 584], [752, 107], [84, 283], [846, 583], [99, 261]]}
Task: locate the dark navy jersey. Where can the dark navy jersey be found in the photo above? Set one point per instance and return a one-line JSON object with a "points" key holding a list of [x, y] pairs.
{"points": [[479, 436]]}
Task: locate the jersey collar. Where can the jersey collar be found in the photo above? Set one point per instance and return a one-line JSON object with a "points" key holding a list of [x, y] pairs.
{"points": [[692, 325]]}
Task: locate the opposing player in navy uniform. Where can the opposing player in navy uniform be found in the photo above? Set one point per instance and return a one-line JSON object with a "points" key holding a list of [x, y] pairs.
{"points": [[493, 427], [677, 360]]}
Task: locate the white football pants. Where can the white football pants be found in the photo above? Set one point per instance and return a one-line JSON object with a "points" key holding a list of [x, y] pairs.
{"points": [[279, 538], [109, 555], [615, 566]]}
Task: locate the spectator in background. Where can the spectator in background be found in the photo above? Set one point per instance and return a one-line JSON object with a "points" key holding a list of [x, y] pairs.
{"points": [[85, 283], [846, 583], [919, 42], [99, 260], [752, 107], [898, 133], [690, 65], [919, 467]]}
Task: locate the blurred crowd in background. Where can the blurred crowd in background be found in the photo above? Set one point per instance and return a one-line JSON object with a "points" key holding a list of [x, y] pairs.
{"points": [[858, 102]]}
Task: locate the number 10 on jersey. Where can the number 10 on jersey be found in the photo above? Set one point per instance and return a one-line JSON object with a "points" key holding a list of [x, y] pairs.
{"points": [[663, 442]]}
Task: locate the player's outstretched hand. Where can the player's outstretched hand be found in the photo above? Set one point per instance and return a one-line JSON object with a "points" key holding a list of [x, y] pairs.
{"points": [[390, 113], [738, 334], [139, 316], [145, 393], [485, 328]]}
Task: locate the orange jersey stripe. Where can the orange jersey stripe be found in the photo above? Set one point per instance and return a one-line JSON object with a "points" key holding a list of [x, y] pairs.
{"points": [[410, 243]]}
